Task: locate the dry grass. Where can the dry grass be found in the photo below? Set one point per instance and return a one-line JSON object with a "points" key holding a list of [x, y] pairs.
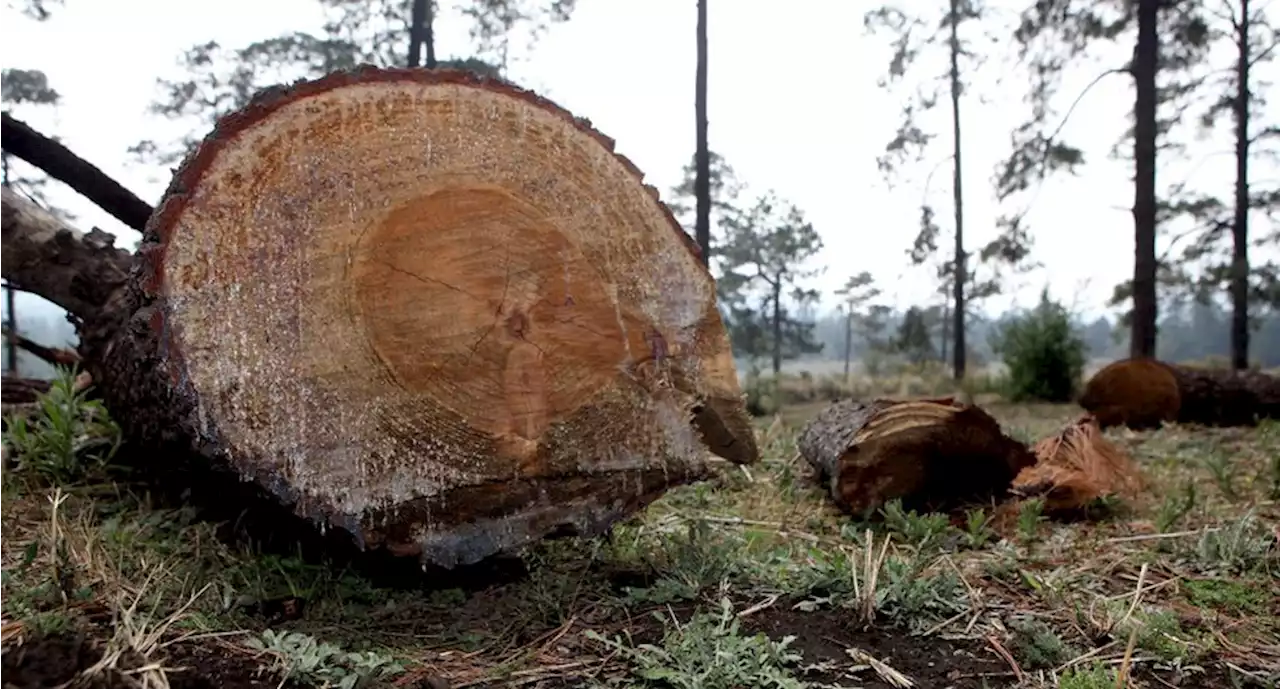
{"points": [[1174, 587]]}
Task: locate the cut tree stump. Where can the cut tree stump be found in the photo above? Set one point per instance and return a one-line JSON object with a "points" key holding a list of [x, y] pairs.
{"points": [[1145, 393], [430, 309], [930, 454]]}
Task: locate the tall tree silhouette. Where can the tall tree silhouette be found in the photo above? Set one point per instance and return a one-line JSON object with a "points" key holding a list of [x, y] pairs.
{"points": [[422, 33], [1146, 62], [1240, 223], [1222, 225], [957, 189], [702, 179], [936, 39], [1168, 41], [219, 79]]}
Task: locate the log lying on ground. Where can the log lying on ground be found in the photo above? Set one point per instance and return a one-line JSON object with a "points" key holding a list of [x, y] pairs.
{"points": [[1076, 467], [931, 454], [432, 310], [936, 455], [16, 390], [1144, 393]]}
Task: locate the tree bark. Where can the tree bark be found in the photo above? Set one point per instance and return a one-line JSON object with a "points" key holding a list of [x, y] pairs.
{"points": [[1240, 226], [19, 390], [702, 175], [11, 325], [66, 167], [848, 340], [10, 299], [79, 272], [439, 347], [959, 350], [429, 34], [931, 454], [1146, 55], [777, 327], [1145, 393]]}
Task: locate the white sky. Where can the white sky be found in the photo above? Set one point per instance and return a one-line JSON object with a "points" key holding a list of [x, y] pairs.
{"points": [[793, 106]]}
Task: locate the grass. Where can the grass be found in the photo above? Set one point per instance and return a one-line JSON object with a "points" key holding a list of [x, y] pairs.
{"points": [[751, 579]]}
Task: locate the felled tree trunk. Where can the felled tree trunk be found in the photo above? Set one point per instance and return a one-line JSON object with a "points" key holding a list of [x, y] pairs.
{"points": [[1144, 393], [16, 390], [432, 310], [931, 454]]}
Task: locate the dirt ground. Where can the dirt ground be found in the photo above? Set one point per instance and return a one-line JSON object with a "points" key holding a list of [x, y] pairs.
{"points": [[751, 579]]}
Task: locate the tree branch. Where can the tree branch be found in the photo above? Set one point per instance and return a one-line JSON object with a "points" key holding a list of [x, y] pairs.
{"points": [[42, 255], [86, 179], [1080, 97], [54, 356]]}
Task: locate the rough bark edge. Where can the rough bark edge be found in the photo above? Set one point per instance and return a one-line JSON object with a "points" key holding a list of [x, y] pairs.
{"points": [[159, 230], [1224, 397], [80, 272], [83, 177]]}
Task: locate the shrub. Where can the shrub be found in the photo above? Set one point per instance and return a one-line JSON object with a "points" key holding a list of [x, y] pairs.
{"points": [[1044, 355]]}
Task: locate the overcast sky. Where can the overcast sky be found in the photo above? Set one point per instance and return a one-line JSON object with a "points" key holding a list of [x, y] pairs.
{"points": [[794, 106]]}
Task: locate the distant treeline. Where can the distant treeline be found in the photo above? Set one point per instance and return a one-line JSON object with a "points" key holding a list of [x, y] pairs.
{"points": [[1192, 332]]}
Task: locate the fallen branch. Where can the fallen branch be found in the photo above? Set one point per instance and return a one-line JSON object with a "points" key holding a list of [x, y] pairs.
{"points": [[26, 144], [54, 356], [15, 390]]}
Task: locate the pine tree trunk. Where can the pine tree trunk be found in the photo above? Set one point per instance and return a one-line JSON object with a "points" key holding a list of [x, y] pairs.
{"points": [[11, 316], [777, 327], [1240, 226], [417, 28], [702, 176], [1142, 340], [424, 308], [959, 350], [11, 325], [429, 34], [848, 341], [946, 333]]}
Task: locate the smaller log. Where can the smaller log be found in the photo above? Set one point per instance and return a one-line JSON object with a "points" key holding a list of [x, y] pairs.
{"points": [[932, 454], [1145, 393], [1076, 467], [15, 390]]}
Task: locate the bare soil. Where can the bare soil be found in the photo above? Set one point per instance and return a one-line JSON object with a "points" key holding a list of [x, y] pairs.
{"points": [[823, 636]]}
